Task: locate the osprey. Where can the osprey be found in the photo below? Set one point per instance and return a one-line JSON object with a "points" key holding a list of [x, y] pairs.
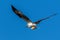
{"points": [[30, 24]]}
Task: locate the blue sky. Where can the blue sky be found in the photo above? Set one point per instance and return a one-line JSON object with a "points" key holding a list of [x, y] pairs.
{"points": [[14, 28]]}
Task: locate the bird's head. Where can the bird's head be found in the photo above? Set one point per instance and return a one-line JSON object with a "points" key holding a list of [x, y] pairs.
{"points": [[33, 27]]}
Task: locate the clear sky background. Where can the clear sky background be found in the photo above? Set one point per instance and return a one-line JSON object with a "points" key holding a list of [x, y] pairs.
{"points": [[14, 28]]}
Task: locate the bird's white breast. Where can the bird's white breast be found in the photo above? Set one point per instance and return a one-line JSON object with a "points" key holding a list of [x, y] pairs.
{"points": [[30, 24]]}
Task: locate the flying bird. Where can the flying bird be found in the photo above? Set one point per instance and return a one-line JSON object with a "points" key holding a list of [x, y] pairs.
{"points": [[30, 24]]}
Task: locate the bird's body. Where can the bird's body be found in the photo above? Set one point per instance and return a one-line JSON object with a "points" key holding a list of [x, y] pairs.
{"points": [[30, 24]]}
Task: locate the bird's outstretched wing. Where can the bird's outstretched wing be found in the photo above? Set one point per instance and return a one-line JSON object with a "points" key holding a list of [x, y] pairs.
{"points": [[44, 19], [20, 14]]}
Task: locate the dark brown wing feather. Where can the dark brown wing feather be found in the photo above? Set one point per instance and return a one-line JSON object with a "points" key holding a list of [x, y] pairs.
{"points": [[20, 14], [44, 19]]}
